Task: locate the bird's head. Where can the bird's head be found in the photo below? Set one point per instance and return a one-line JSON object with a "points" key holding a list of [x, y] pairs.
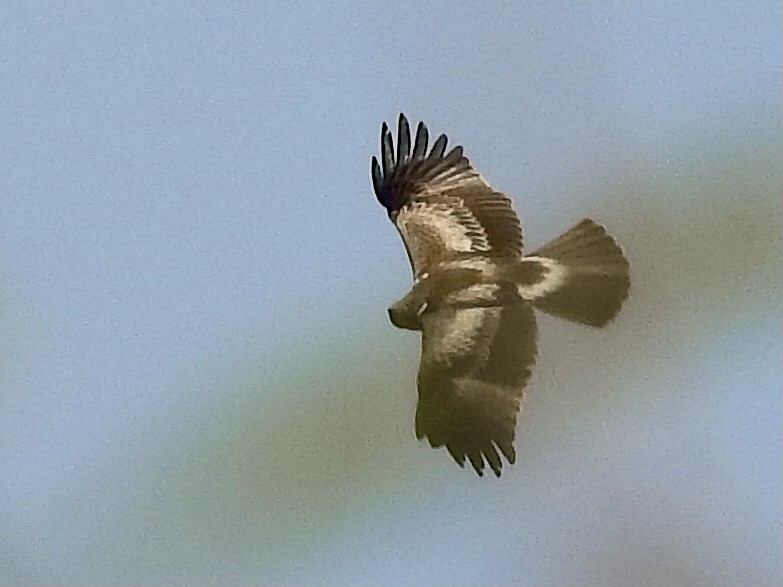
{"points": [[406, 312]]}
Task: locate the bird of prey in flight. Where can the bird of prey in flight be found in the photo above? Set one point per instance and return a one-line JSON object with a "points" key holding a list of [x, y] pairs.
{"points": [[474, 292]]}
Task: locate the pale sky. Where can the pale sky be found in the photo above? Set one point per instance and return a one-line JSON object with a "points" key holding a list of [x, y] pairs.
{"points": [[199, 383]]}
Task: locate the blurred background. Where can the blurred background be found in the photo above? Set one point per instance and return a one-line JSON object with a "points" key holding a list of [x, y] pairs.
{"points": [[198, 380]]}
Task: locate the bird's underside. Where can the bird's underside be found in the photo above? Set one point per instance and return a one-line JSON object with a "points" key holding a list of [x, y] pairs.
{"points": [[474, 292]]}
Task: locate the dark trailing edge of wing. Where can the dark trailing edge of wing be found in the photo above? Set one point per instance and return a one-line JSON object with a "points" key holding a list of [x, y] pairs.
{"points": [[395, 180]]}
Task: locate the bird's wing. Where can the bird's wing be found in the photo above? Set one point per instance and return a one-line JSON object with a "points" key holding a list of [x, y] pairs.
{"points": [[441, 206], [475, 363]]}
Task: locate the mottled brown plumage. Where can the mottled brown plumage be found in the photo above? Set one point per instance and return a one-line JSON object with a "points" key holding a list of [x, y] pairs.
{"points": [[474, 292]]}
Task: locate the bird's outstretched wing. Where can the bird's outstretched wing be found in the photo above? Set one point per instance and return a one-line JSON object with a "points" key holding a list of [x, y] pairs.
{"points": [[475, 363], [441, 206]]}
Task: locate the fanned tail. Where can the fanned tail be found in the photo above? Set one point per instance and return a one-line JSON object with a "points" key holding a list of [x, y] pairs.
{"points": [[595, 275]]}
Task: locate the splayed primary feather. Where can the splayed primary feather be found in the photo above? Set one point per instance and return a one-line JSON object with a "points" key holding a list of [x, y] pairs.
{"points": [[473, 292]]}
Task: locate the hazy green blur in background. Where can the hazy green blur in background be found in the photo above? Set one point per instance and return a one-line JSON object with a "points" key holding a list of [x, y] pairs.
{"points": [[198, 380]]}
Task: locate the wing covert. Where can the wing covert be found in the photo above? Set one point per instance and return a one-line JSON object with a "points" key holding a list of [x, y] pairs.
{"points": [[442, 208]]}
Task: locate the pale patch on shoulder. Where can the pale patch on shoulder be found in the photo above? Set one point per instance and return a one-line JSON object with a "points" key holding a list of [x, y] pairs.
{"points": [[450, 334], [554, 278], [455, 226]]}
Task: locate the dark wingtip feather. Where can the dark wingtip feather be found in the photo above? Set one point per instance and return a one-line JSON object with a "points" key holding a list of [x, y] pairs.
{"points": [[478, 463], [392, 179], [403, 140], [439, 147], [375, 172], [458, 457], [454, 155], [387, 150], [493, 459], [420, 144]]}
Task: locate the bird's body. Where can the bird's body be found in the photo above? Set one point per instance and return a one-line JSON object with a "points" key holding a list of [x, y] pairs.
{"points": [[474, 292], [468, 283]]}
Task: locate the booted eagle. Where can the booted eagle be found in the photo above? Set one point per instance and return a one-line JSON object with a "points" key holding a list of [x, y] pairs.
{"points": [[474, 292]]}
